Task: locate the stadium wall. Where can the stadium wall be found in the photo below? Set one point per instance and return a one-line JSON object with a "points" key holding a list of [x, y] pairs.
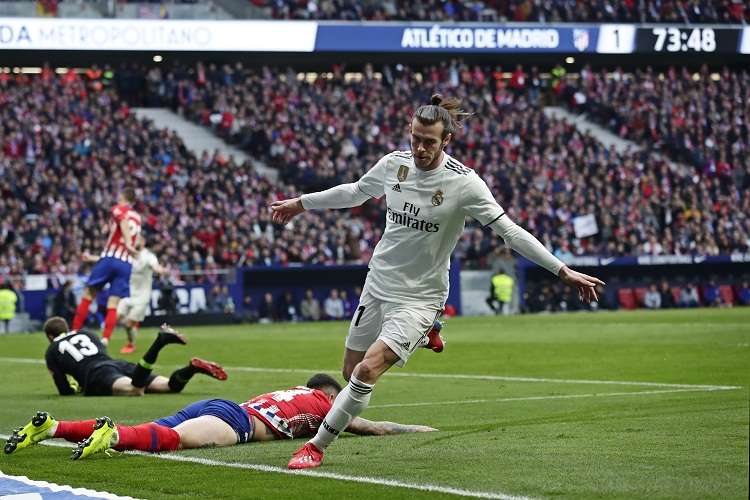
{"points": [[247, 281]]}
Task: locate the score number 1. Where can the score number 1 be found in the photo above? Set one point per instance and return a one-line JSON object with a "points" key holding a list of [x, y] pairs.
{"points": [[616, 39]]}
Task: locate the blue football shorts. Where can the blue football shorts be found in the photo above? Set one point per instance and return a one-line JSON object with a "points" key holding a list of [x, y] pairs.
{"points": [[116, 272], [228, 411]]}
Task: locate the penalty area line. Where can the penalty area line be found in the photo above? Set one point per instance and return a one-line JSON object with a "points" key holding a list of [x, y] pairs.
{"points": [[451, 376], [538, 398], [312, 473]]}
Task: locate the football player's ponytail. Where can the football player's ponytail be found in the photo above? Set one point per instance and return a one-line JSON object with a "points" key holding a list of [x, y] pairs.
{"points": [[448, 111]]}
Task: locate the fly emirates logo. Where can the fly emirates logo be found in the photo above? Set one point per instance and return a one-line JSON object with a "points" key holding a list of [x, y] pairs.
{"points": [[409, 218]]}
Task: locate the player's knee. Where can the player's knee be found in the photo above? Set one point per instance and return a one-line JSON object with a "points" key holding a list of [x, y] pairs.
{"points": [[367, 371], [348, 369]]}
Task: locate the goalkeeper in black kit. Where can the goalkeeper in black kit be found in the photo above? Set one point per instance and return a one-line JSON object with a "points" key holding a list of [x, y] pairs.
{"points": [[80, 355]]}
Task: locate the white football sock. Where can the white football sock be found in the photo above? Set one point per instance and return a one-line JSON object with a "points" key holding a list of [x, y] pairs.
{"points": [[350, 402]]}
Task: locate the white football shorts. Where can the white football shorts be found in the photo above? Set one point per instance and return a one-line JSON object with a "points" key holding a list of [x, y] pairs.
{"points": [[134, 310], [403, 327]]}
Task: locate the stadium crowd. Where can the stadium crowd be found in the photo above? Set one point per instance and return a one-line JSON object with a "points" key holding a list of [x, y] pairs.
{"points": [[627, 11], [68, 144], [328, 130]]}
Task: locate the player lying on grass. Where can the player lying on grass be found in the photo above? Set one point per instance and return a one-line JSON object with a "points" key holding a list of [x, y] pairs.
{"points": [[81, 355], [287, 414]]}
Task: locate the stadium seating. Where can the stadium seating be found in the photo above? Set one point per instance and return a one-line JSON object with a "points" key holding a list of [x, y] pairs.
{"points": [[68, 144], [727, 294], [640, 296], [318, 133], [697, 11], [626, 298], [331, 130]]}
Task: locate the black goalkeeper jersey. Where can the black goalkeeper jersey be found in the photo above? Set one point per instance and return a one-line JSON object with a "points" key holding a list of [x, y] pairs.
{"points": [[74, 353]]}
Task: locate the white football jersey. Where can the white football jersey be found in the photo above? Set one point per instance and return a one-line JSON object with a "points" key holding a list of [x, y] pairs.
{"points": [[142, 275], [425, 218]]}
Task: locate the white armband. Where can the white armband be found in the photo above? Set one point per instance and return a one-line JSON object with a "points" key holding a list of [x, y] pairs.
{"points": [[524, 243], [341, 196]]}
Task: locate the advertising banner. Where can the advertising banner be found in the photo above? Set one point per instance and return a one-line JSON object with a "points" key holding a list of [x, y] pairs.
{"points": [[19, 33]]}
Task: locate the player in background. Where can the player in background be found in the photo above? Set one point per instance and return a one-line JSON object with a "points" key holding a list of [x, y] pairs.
{"points": [[287, 414], [82, 356], [133, 309], [115, 264], [428, 195]]}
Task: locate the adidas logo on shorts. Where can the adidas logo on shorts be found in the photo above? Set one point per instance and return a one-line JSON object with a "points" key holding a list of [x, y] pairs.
{"points": [[397, 188], [406, 345]]}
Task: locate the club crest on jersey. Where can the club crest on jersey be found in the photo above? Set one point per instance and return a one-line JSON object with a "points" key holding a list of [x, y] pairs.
{"points": [[403, 172], [437, 198]]}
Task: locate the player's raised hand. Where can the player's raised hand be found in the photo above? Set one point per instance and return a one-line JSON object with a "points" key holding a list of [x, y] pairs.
{"points": [[586, 284], [285, 210]]}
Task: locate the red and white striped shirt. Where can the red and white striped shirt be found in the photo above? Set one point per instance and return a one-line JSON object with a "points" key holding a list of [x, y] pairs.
{"points": [[293, 413], [115, 246]]}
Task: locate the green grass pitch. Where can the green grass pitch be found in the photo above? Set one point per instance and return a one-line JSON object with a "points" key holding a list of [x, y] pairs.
{"points": [[539, 423]]}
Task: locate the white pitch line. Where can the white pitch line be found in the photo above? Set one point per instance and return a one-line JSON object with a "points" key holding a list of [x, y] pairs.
{"points": [[456, 376], [314, 473], [537, 398]]}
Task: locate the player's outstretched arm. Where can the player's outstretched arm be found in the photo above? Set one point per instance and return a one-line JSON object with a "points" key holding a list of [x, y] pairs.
{"points": [[89, 258], [364, 427]]}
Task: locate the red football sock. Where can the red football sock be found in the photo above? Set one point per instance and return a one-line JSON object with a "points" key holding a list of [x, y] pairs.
{"points": [[75, 431], [109, 323], [147, 437], [82, 312]]}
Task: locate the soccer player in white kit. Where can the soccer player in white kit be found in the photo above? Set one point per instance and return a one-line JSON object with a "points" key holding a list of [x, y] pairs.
{"points": [[133, 309], [428, 194]]}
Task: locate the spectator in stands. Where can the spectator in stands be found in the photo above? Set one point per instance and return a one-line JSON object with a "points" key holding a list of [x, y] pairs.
{"points": [[167, 298], [743, 294], [501, 293], [333, 306], [600, 11], [228, 307], [64, 304], [286, 307], [248, 313], [349, 304], [652, 298], [310, 307], [711, 295], [667, 298], [267, 309], [217, 299], [601, 302], [689, 296], [8, 299]]}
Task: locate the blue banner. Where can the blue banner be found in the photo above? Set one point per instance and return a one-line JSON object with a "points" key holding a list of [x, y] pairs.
{"points": [[476, 38]]}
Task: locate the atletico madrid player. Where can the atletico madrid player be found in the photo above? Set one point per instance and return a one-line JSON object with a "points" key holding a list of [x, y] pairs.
{"points": [[285, 414], [115, 265]]}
